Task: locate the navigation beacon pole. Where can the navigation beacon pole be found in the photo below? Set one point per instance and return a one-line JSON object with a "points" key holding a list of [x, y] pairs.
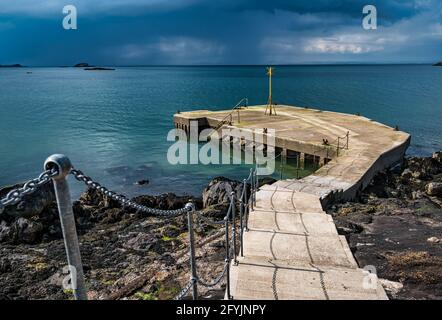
{"points": [[270, 105]]}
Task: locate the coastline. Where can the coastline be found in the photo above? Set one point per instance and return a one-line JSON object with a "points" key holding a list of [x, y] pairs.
{"points": [[131, 256]]}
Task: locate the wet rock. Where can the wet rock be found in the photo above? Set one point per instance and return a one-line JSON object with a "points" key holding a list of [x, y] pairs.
{"points": [[142, 242], [219, 190], [5, 265], [434, 189], [142, 182], [217, 211], [167, 201], [21, 231], [395, 225], [32, 204], [95, 198], [437, 156]]}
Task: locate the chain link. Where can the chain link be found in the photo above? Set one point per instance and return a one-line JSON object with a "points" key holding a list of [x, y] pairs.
{"points": [[216, 281], [16, 195], [123, 200], [184, 291]]}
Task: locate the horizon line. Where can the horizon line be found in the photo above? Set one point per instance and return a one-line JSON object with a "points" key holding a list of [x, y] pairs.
{"points": [[230, 65]]}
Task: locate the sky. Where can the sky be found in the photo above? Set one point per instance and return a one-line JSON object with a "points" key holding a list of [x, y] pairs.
{"points": [[202, 32]]}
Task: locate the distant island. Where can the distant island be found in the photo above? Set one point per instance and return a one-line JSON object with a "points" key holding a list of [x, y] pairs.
{"points": [[11, 66], [88, 67], [83, 65], [439, 64], [98, 69]]}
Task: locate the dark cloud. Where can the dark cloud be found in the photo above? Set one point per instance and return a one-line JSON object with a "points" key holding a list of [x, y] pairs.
{"points": [[211, 32]]}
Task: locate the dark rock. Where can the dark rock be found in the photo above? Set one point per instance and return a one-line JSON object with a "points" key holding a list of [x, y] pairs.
{"points": [[434, 189], [219, 190], [141, 242], [437, 156], [438, 64], [266, 180], [21, 231], [167, 201], [5, 265], [32, 204], [143, 182], [395, 226], [93, 197]]}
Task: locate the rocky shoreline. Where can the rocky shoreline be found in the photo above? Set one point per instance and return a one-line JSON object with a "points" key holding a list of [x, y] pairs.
{"points": [[395, 225]]}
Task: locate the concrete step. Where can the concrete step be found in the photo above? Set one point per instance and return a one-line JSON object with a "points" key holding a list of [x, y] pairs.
{"points": [[271, 197], [315, 184], [261, 279], [300, 223], [299, 249], [305, 187]]}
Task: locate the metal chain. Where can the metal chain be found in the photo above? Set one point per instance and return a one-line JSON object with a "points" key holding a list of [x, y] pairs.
{"points": [[184, 291], [216, 281], [123, 200], [16, 195]]}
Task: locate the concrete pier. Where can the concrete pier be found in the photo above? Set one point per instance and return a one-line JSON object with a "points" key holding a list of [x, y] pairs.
{"points": [[292, 249]]}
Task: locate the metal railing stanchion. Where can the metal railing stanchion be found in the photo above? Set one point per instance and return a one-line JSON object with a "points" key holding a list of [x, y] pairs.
{"points": [[233, 204], [247, 204], [67, 220], [191, 209], [242, 210], [226, 220]]}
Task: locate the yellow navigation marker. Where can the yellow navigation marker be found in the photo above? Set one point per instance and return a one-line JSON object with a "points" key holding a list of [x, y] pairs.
{"points": [[270, 105]]}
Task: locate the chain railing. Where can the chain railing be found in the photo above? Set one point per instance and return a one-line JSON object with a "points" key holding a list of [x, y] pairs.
{"points": [[16, 195], [58, 167], [229, 221]]}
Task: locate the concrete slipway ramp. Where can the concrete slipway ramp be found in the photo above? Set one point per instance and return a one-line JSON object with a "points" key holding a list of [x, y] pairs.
{"points": [[292, 249]]}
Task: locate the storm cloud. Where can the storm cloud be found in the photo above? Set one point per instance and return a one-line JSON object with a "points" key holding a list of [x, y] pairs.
{"points": [[137, 32]]}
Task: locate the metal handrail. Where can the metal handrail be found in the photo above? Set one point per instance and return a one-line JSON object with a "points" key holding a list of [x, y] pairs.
{"points": [[229, 115], [58, 167]]}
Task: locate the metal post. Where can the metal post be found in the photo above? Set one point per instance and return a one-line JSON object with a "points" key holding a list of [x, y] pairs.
{"points": [[348, 133], [242, 211], [251, 188], [63, 165], [281, 167], [256, 186], [297, 166], [233, 204], [191, 208], [337, 149], [226, 221]]}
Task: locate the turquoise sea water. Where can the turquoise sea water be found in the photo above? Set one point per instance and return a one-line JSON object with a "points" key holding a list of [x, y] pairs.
{"points": [[113, 125]]}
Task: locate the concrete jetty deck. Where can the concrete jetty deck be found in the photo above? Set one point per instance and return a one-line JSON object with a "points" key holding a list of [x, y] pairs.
{"points": [[292, 249]]}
